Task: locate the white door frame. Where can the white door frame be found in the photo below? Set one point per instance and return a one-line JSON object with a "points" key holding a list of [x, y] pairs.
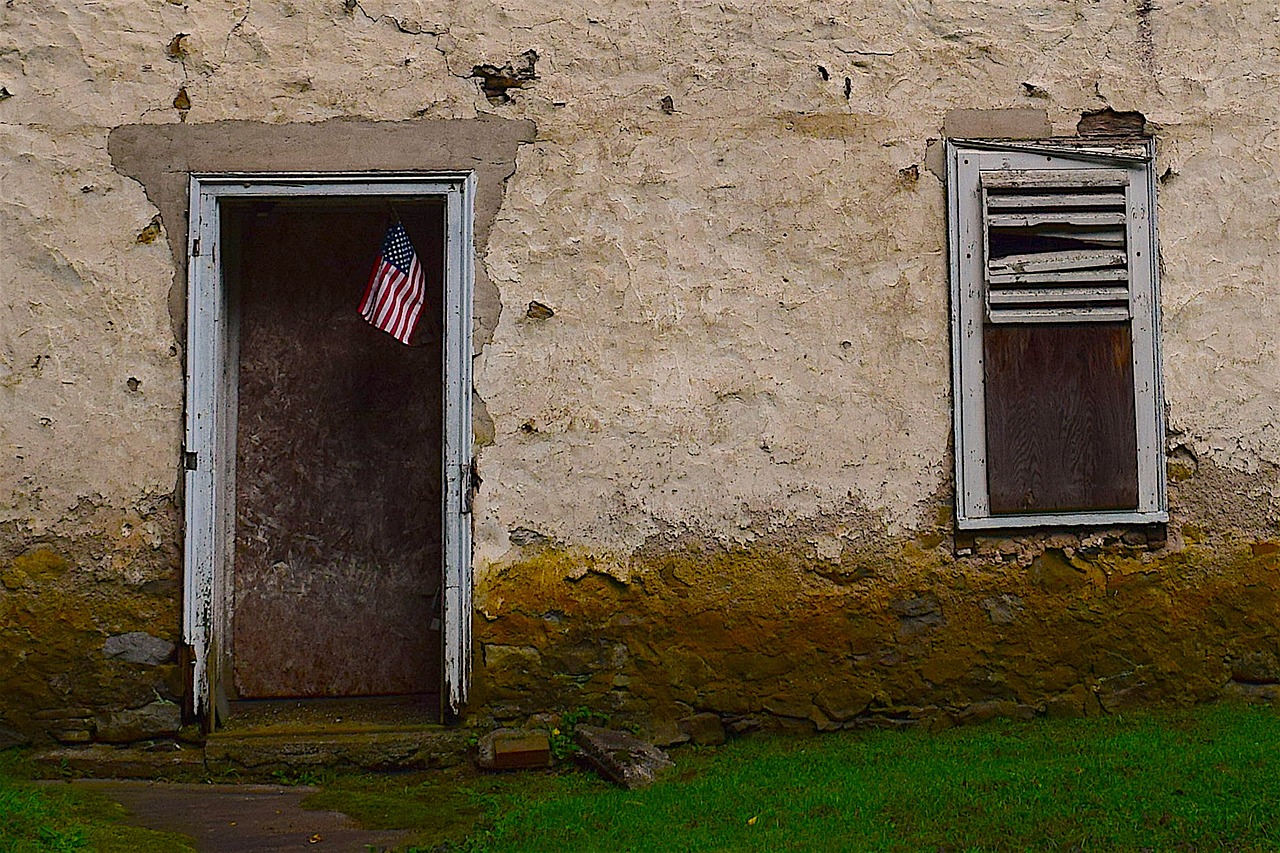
{"points": [[212, 371]]}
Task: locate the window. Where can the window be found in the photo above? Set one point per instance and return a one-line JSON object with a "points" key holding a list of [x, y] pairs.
{"points": [[1054, 326]]}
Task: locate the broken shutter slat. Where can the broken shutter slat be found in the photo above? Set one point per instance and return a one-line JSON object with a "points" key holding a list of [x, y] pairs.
{"points": [[1085, 218], [1058, 295], [1053, 211], [1070, 260], [1000, 201], [1075, 314], [1057, 178], [1005, 279], [1108, 238]]}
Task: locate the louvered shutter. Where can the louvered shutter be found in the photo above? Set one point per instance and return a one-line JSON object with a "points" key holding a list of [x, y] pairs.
{"points": [[1055, 245]]}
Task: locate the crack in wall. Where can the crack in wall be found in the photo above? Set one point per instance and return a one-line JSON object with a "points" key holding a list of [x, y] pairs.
{"points": [[1146, 35], [411, 28], [235, 28]]}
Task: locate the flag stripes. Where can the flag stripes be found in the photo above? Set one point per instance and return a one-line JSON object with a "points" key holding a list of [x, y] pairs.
{"points": [[397, 288]]}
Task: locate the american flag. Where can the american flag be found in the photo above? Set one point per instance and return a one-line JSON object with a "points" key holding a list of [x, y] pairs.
{"points": [[396, 292]]}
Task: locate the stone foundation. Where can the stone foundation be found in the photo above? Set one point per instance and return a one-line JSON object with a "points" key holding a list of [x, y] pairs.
{"points": [[89, 626], [688, 637], [774, 636]]}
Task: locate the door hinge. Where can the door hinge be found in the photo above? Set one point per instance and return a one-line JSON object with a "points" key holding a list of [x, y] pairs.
{"points": [[190, 460], [470, 484]]}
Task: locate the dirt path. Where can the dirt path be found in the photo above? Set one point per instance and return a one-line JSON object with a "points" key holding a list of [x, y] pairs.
{"points": [[241, 818]]}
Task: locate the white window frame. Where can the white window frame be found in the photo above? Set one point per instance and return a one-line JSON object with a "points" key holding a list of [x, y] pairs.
{"points": [[966, 161], [211, 411]]}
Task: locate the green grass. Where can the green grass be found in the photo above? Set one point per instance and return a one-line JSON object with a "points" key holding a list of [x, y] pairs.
{"points": [[1202, 780], [54, 819], [1206, 779]]}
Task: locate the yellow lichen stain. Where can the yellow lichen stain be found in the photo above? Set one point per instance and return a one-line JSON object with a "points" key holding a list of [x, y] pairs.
{"points": [[1265, 549], [742, 630], [931, 539], [149, 234], [37, 567]]}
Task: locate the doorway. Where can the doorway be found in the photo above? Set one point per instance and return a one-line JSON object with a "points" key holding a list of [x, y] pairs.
{"points": [[328, 533], [339, 431]]}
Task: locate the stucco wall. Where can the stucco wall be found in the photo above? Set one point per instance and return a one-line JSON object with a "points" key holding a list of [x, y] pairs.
{"points": [[744, 390]]}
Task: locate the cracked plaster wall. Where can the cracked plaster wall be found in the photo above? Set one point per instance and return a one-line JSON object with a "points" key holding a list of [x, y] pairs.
{"points": [[748, 280]]}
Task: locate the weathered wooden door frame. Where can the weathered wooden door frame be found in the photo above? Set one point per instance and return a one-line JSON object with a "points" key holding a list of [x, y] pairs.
{"points": [[211, 374]]}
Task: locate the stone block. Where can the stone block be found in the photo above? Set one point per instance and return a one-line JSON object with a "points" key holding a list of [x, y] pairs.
{"points": [[1265, 694], [1053, 572], [980, 712], [703, 729], [843, 701], [667, 733], [138, 647], [1016, 123], [918, 613], [261, 757], [11, 738], [158, 719], [744, 724], [619, 757], [1004, 609], [1064, 707], [499, 658], [103, 761], [513, 749], [72, 736], [1127, 690], [783, 706], [882, 721], [63, 714], [1256, 668]]}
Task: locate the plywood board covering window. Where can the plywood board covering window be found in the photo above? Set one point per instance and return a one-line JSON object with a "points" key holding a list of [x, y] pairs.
{"points": [[1054, 335]]}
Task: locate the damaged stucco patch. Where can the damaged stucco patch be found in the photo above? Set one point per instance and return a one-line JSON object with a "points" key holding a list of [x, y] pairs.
{"points": [[495, 81]]}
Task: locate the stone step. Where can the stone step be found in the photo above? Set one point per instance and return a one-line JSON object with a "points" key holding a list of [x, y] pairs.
{"points": [[268, 756], [261, 757], [287, 739], [166, 760]]}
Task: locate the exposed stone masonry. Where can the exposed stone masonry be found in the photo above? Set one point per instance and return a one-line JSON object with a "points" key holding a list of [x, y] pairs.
{"points": [[1059, 625]]}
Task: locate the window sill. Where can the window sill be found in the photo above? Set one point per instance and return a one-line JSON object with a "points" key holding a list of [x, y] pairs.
{"points": [[1062, 519]]}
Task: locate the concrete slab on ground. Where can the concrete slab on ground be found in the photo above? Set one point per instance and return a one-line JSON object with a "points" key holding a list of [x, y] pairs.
{"points": [[239, 818]]}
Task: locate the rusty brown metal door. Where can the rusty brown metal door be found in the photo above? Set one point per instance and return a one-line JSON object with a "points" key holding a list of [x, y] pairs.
{"points": [[338, 457]]}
